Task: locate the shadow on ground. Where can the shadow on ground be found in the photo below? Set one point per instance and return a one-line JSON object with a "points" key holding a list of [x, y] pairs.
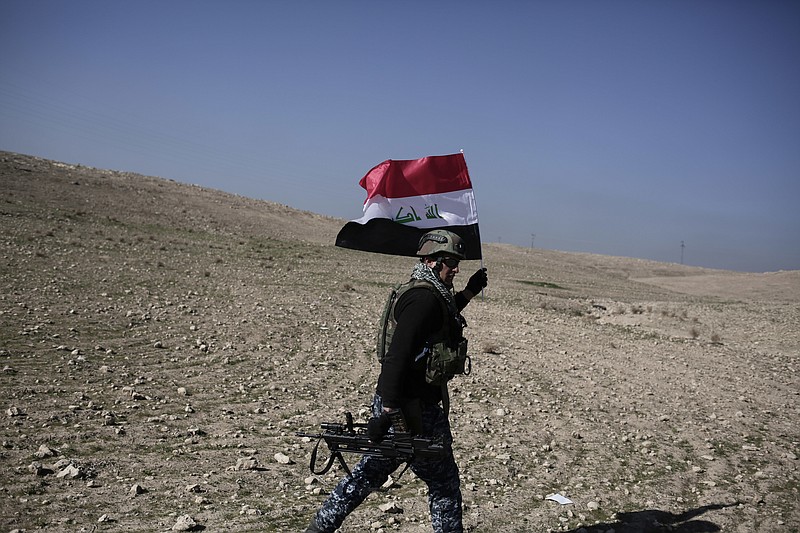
{"points": [[655, 521]]}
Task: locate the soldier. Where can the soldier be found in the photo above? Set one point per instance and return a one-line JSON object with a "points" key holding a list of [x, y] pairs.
{"points": [[425, 349]]}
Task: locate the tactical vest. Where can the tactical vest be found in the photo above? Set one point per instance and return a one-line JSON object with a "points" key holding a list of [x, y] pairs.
{"points": [[445, 355]]}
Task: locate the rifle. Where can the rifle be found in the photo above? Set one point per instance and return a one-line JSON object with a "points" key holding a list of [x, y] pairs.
{"points": [[351, 437]]}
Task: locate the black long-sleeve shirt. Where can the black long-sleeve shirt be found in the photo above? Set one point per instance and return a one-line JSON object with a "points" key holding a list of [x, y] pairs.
{"points": [[419, 316]]}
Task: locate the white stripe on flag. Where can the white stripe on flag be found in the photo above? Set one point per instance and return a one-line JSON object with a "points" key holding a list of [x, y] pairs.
{"points": [[455, 208]]}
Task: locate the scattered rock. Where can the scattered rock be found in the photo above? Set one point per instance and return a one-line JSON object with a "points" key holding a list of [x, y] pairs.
{"points": [[246, 463], [15, 411], [39, 469], [62, 463], [70, 472], [283, 459], [45, 451], [184, 523], [109, 418], [391, 508], [249, 511]]}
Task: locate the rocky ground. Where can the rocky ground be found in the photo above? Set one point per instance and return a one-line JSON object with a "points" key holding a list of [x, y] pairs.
{"points": [[161, 344]]}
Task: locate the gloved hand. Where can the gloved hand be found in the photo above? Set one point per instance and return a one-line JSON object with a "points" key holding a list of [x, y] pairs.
{"points": [[477, 281], [377, 426]]}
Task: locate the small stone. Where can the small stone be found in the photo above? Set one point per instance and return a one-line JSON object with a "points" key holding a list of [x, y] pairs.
{"points": [[105, 518], [182, 391], [593, 506], [249, 511], [62, 463], [45, 451], [15, 411], [194, 488], [71, 472], [184, 523], [283, 459], [391, 508], [38, 469], [246, 463], [137, 489]]}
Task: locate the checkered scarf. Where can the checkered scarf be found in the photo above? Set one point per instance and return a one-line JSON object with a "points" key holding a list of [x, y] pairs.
{"points": [[424, 272]]}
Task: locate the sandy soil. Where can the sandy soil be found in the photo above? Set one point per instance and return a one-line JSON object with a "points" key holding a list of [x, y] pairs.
{"points": [[162, 343]]}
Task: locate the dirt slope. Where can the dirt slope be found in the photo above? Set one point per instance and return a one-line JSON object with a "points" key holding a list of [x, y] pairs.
{"points": [[161, 343]]}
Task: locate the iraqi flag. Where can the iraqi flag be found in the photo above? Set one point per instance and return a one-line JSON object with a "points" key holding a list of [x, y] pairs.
{"points": [[406, 199]]}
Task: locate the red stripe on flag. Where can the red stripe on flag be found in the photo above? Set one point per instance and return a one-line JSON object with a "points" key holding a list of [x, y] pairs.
{"points": [[415, 177]]}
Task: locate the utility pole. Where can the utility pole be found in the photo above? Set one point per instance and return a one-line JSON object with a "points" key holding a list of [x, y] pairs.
{"points": [[533, 237], [682, 247]]}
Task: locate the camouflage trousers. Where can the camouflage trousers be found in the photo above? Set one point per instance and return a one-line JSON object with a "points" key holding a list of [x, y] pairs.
{"points": [[441, 476]]}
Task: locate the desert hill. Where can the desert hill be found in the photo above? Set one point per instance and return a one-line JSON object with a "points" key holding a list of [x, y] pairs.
{"points": [[162, 342]]}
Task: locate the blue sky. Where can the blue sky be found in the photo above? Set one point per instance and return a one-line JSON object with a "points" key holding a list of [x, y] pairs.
{"points": [[616, 127]]}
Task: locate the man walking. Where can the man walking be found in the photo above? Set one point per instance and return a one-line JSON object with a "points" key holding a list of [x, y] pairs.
{"points": [[425, 349]]}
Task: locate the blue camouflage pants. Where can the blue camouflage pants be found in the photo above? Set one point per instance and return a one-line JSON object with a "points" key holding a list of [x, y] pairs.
{"points": [[441, 476]]}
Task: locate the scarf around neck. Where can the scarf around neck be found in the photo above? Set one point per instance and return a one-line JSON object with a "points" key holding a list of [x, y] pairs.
{"points": [[424, 272]]}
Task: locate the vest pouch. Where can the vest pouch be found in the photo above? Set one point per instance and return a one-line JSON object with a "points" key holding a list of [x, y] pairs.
{"points": [[445, 362]]}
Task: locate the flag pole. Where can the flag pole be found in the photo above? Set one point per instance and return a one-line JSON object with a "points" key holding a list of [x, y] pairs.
{"points": [[483, 295]]}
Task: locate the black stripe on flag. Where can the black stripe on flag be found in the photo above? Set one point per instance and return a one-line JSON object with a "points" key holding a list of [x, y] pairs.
{"points": [[381, 235]]}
